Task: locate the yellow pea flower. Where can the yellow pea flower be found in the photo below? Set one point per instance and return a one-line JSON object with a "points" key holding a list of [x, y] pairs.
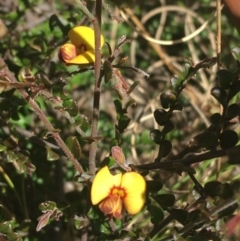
{"points": [[81, 49], [113, 191]]}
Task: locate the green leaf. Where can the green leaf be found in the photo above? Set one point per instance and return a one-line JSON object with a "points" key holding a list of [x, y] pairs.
{"points": [[11, 156], [123, 122], [168, 126], [165, 200], [133, 86], [80, 222], [104, 229], [48, 205], [108, 161], [236, 53], [54, 22], [13, 237], [74, 146], [228, 138], [220, 95], [156, 213], [11, 142], [156, 136], [224, 191], [154, 185], [225, 78], [2, 148], [82, 122], [92, 214], [51, 155], [71, 107], [165, 148], [216, 119], [25, 75], [233, 110], [177, 106], [168, 98], [234, 89], [211, 187], [175, 82], [130, 103], [108, 71], [29, 167], [206, 140], [42, 78], [160, 116], [118, 106], [233, 155], [5, 227], [180, 215]]}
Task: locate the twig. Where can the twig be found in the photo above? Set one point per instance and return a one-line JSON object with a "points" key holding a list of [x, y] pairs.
{"points": [[223, 206], [83, 7], [219, 8], [198, 186], [169, 165], [4, 71], [97, 90]]}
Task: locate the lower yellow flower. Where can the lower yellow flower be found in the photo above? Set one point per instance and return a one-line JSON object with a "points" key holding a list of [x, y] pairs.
{"points": [[113, 191], [81, 49]]}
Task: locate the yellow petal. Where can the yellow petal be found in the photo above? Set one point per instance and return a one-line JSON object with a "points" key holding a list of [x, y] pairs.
{"points": [[83, 36], [87, 57], [135, 187], [102, 184]]}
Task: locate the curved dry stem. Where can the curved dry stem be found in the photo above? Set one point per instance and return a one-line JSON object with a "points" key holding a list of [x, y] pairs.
{"points": [[169, 8]]}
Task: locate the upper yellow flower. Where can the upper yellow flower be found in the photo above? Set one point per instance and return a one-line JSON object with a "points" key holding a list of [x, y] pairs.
{"points": [[81, 49], [113, 190]]}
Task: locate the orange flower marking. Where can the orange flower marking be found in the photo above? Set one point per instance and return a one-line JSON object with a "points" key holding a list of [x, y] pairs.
{"points": [[81, 49], [112, 205], [113, 191]]}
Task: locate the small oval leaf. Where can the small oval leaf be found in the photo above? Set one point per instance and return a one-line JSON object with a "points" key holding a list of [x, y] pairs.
{"points": [[160, 116], [156, 136], [220, 95], [228, 138], [225, 78], [74, 146], [154, 185], [167, 98], [165, 200], [156, 213], [51, 155]]}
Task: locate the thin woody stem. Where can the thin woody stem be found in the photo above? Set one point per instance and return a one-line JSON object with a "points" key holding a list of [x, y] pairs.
{"points": [[169, 165], [4, 71], [83, 7], [97, 89], [219, 8]]}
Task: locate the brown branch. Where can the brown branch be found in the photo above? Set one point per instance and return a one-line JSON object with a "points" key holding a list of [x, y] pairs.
{"points": [[97, 89], [5, 72], [219, 8], [232, 153], [227, 203]]}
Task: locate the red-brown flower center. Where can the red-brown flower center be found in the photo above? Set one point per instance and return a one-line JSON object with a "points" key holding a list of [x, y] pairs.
{"points": [[121, 192], [82, 48]]}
